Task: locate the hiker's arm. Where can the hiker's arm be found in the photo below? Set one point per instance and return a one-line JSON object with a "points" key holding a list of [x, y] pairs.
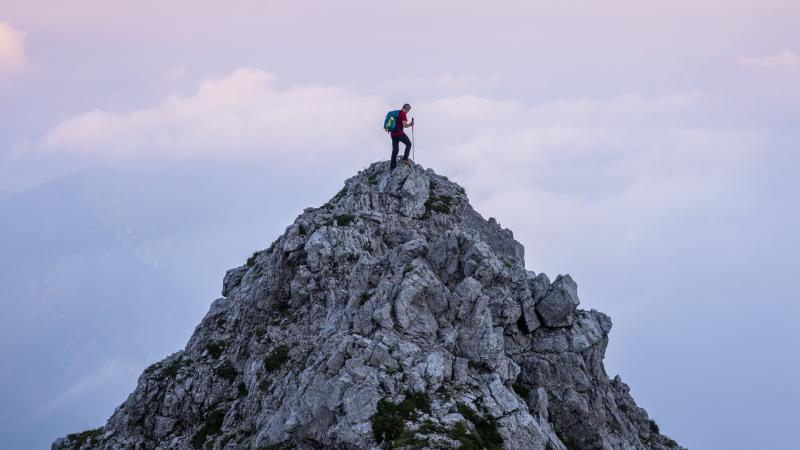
{"points": [[406, 124]]}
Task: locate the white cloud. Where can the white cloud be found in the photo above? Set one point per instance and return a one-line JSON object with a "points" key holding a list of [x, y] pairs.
{"points": [[609, 173], [239, 115], [12, 49], [784, 59]]}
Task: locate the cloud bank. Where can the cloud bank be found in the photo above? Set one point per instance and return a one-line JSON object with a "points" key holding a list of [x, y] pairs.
{"points": [[239, 115]]}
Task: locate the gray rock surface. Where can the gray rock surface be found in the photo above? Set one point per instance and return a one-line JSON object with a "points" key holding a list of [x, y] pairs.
{"points": [[393, 316], [558, 304]]}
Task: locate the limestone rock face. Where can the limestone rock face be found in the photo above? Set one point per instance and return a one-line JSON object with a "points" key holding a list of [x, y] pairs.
{"points": [[558, 304], [393, 316]]}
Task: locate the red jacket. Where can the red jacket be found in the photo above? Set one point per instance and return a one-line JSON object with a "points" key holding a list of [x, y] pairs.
{"points": [[398, 130]]}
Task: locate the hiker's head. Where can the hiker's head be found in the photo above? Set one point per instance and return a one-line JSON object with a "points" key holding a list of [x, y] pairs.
{"points": [[406, 107]]}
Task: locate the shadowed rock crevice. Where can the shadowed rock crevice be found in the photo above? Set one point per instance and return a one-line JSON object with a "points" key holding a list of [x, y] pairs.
{"points": [[393, 316]]}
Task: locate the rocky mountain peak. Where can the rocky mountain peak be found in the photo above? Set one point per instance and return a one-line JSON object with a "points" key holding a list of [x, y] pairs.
{"points": [[393, 316]]}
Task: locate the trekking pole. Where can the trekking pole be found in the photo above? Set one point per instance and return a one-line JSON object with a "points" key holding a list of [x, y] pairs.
{"points": [[413, 145]]}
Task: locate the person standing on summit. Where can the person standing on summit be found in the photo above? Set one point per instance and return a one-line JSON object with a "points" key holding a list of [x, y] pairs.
{"points": [[398, 135]]}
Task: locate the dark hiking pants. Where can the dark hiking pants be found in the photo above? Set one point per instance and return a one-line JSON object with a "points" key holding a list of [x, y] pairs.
{"points": [[396, 140]]}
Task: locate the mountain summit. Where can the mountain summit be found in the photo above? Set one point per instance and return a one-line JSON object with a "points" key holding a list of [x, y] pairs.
{"points": [[393, 316]]}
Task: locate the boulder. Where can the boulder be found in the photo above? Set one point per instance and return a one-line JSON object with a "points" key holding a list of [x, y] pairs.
{"points": [[557, 306]]}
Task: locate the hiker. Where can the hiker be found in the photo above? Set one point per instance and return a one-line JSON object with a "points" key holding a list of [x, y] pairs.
{"points": [[398, 135]]}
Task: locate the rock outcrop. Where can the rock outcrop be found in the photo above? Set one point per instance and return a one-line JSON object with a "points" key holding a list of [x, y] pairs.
{"points": [[394, 316]]}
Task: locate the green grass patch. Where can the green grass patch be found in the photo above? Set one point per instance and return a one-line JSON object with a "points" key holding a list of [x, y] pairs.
{"points": [[90, 437], [251, 261], [485, 427], [429, 427], [438, 203], [152, 368], [388, 423], [408, 440], [215, 348], [277, 357], [211, 425], [344, 220], [468, 440], [415, 401], [521, 390], [171, 370], [226, 371]]}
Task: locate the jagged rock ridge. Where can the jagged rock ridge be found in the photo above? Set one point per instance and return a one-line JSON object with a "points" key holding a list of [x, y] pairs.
{"points": [[394, 316]]}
